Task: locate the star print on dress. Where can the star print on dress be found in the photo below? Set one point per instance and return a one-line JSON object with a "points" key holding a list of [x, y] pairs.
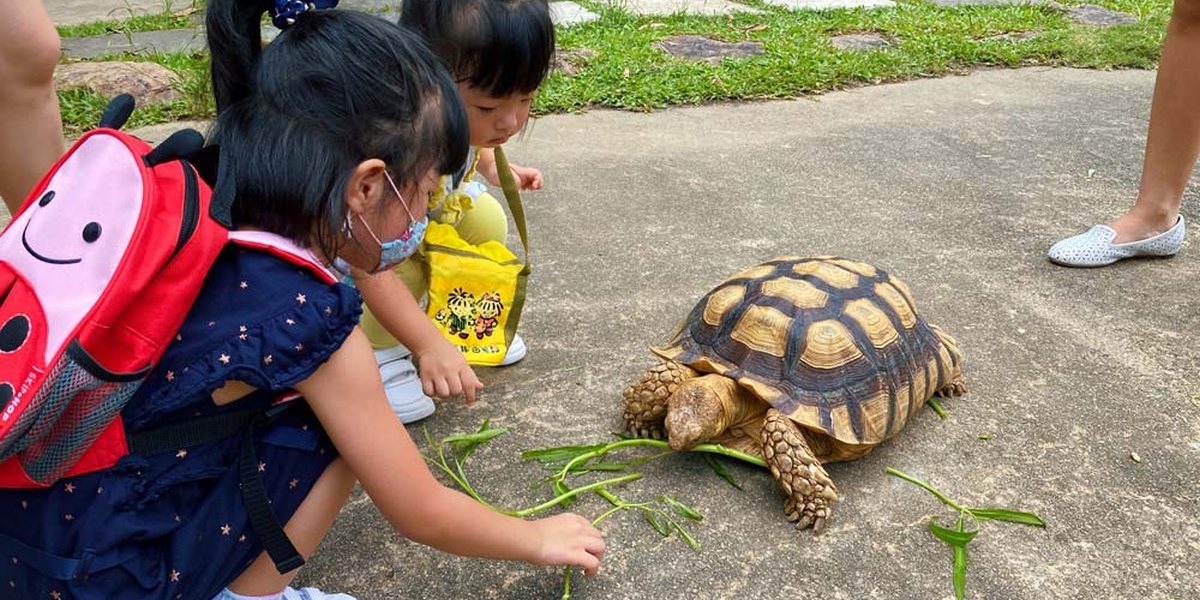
{"points": [[55, 594], [224, 358], [262, 467], [242, 538], [70, 488], [293, 483], [175, 576], [243, 285], [181, 454], [268, 359], [299, 347], [241, 329], [301, 299], [170, 375], [290, 321], [68, 517], [225, 529]]}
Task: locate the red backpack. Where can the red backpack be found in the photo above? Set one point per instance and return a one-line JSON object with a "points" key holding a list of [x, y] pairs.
{"points": [[97, 271]]}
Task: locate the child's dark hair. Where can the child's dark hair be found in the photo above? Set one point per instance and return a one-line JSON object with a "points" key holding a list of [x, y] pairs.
{"points": [[296, 117], [502, 47]]}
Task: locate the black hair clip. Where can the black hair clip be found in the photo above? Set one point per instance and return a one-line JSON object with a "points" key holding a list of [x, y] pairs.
{"points": [[285, 12]]}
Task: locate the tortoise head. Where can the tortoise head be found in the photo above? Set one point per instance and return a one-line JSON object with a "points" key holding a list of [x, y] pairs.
{"points": [[699, 411]]}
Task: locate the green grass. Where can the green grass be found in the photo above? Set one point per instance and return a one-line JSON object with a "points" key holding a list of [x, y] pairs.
{"points": [[130, 25], [629, 72]]}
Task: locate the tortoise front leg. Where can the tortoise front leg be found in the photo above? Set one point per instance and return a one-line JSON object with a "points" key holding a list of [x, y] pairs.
{"points": [[646, 399], [811, 494]]}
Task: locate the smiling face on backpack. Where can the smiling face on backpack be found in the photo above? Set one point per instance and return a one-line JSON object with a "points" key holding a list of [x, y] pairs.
{"points": [[70, 240]]}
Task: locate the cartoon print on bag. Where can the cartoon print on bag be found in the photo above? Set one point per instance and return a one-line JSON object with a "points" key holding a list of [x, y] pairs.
{"points": [[13, 334], [71, 240], [462, 308], [489, 308]]}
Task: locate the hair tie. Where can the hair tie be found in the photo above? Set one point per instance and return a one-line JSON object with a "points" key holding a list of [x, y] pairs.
{"points": [[285, 12]]}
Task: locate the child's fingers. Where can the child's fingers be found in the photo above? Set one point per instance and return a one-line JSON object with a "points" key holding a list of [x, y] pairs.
{"points": [[441, 388]]}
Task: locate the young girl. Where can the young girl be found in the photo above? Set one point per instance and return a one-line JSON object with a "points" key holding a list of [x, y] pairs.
{"points": [[331, 139], [499, 52]]}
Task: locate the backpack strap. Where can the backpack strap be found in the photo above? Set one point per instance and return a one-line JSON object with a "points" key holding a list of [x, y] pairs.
{"points": [[285, 249]]}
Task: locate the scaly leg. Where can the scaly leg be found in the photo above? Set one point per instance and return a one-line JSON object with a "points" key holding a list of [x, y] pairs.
{"points": [[811, 494], [646, 399]]}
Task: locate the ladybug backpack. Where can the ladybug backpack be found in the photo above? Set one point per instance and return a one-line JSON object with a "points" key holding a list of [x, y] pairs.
{"points": [[98, 270]]}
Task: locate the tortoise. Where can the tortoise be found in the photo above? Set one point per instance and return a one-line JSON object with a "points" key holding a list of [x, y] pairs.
{"points": [[800, 362]]}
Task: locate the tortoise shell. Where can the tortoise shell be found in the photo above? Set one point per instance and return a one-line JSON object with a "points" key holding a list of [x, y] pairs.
{"points": [[835, 344]]}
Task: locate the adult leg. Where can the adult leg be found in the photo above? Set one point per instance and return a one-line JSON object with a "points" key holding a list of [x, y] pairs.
{"points": [[30, 125], [1173, 142]]}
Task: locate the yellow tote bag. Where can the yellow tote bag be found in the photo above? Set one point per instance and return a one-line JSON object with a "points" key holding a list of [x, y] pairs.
{"points": [[476, 292]]}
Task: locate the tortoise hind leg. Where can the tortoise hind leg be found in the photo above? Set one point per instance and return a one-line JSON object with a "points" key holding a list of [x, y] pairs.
{"points": [[646, 399], [811, 494], [950, 359]]}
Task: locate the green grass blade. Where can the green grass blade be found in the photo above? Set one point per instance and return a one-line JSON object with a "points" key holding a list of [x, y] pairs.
{"points": [[720, 470], [658, 521], [1010, 516], [687, 537], [559, 454], [682, 509], [955, 537]]}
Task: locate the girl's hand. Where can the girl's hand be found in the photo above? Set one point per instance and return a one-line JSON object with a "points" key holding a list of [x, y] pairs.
{"points": [[527, 178], [569, 539], [445, 373]]}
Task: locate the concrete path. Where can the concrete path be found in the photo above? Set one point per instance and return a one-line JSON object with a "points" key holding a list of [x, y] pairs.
{"points": [[956, 185]]}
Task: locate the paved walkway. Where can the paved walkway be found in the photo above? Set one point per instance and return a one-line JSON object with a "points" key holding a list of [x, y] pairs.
{"points": [[958, 186]]}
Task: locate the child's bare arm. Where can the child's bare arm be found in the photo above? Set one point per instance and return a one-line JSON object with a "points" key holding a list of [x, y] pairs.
{"points": [[527, 178], [348, 399], [444, 370]]}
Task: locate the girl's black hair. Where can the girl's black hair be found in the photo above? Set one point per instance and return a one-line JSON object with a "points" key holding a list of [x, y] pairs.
{"points": [[502, 47], [296, 117]]}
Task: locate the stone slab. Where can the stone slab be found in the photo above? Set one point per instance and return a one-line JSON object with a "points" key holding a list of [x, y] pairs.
{"points": [[566, 14], [860, 41], [74, 12], [695, 7], [173, 40], [703, 49], [1097, 16]]}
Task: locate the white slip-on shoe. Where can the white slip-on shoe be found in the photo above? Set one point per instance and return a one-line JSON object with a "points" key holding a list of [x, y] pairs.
{"points": [[516, 351], [309, 593], [402, 384], [1095, 247]]}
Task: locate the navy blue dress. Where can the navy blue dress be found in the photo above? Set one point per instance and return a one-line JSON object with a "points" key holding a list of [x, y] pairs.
{"points": [[175, 520]]}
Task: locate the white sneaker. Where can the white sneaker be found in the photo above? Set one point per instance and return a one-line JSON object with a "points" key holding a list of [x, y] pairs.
{"points": [[516, 351], [402, 384], [312, 594]]}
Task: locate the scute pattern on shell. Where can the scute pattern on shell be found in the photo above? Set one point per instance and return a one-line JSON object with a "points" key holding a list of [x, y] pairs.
{"points": [[835, 344]]}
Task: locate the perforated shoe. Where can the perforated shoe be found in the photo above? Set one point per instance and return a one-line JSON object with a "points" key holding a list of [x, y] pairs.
{"points": [[1095, 247]]}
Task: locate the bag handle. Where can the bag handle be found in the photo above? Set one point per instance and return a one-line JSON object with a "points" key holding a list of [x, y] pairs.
{"points": [[509, 185]]}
